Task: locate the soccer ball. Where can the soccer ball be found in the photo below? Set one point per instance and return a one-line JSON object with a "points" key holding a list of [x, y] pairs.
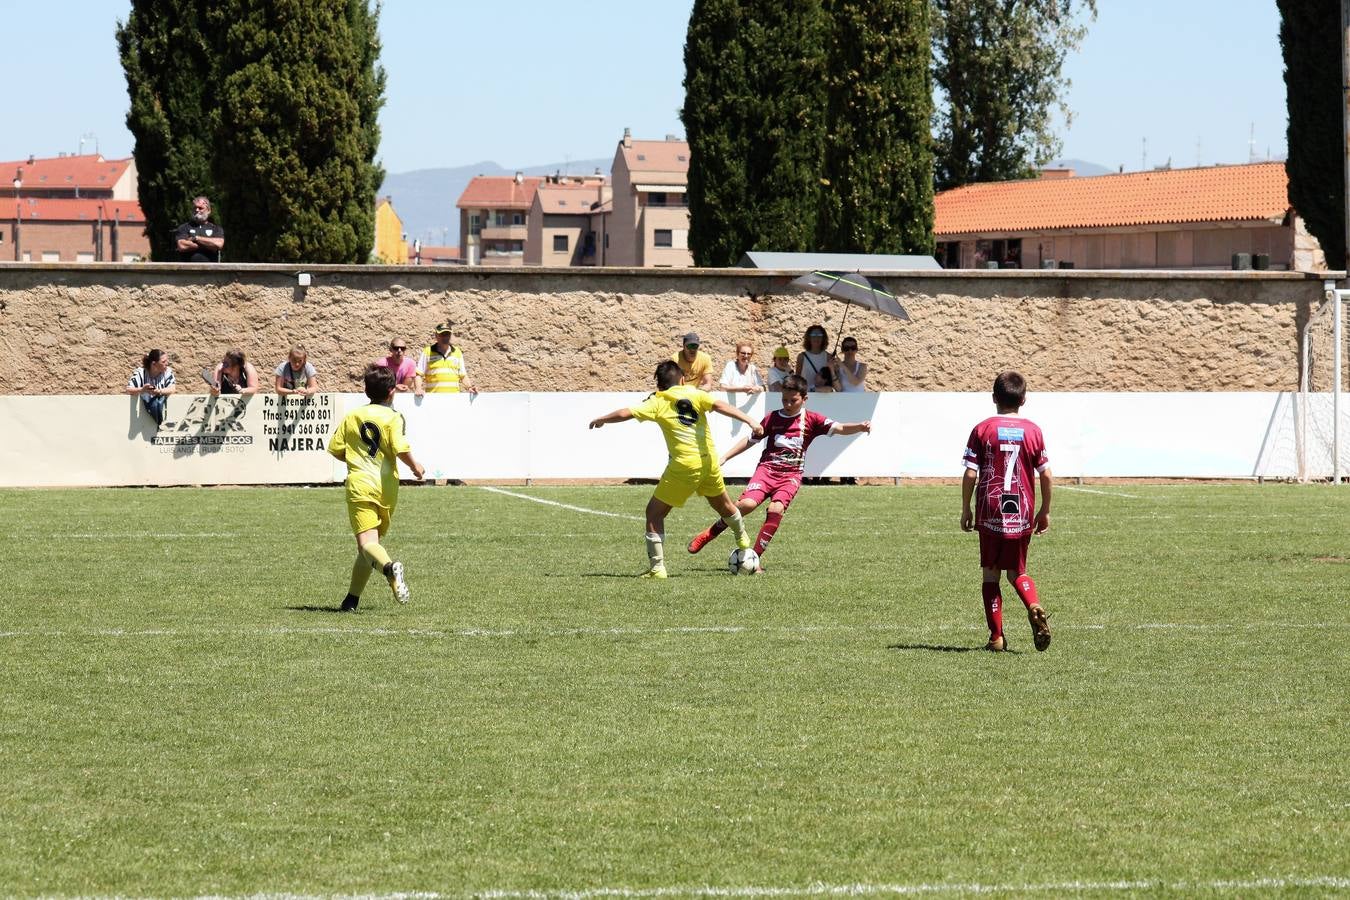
{"points": [[743, 562]]}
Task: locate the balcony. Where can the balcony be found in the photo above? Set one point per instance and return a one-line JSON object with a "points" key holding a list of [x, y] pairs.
{"points": [[504, 232]]}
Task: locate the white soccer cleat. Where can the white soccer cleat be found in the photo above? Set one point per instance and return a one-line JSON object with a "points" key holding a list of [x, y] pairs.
{"points": [[397, 584]]}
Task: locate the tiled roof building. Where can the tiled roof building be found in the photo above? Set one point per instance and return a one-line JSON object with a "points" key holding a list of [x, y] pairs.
{"points": [[1162, 219], [71, 209]]}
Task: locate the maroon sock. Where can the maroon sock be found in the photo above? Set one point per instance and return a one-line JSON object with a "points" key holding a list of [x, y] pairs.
{"points": [[1026, 589], [993, 608], [716, 528], [771, 522]]}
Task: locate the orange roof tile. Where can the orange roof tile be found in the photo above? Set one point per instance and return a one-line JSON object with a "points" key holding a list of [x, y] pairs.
{"points": [[1255, 192], [63, 209], [499, 192], [88, 171], [656, 156]]}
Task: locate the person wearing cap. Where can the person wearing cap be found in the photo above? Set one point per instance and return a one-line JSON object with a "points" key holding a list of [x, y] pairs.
{"points": [[694, 363], [781, 368], [440, 368]]}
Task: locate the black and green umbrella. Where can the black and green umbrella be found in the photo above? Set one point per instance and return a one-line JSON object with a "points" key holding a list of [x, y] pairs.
{"points": [[852, 288]]}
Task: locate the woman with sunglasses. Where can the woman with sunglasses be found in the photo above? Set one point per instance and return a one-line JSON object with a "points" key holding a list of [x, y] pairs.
{"points": [[402, 365], [850, 371], [815, 357]]}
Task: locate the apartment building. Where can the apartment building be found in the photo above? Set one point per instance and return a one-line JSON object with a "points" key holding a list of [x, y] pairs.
{"points": [[1161, 219], [493, 218], [649, 226], [71, 208], [567, 222]]}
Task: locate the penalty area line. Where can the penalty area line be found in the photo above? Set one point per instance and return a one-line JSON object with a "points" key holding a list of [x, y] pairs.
{"points": [[580, 509]]}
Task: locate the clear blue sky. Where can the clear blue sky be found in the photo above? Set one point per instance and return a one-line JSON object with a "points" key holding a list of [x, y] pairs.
{"points": [[529, 83]]}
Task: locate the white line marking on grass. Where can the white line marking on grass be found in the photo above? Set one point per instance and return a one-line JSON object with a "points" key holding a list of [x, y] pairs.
{"points": [[620, 630], [819, 889], [1083, 490], [580, 509], [132, 535]]}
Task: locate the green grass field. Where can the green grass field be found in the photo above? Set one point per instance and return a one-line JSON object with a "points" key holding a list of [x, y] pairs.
{"points": [[183, 713]]}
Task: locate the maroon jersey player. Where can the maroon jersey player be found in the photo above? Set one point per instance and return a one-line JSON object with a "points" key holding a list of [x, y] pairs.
{"points": [[1001, 456], [787, 434]]}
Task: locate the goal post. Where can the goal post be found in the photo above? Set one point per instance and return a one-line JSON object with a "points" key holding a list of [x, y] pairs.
{"points": [[1323, 418]]}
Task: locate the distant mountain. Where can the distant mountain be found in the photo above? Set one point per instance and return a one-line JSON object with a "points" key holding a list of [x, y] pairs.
{"points": [[425, 198], [1081, 167]]}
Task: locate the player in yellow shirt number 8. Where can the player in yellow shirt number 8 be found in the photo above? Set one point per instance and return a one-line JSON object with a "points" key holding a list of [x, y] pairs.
{"points": [[681, 411]]}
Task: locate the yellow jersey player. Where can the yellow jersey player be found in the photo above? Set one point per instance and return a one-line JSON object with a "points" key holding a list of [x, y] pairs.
{"points": [[682, 413], [368, 441]]}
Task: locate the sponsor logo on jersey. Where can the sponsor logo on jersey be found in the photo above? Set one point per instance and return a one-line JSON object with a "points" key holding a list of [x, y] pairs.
{"points": [[1006, 433]]}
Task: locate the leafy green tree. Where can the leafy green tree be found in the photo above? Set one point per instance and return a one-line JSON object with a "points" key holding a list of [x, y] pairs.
{"points": [[296, 139], [754, 115], [1310, 36], [998, 66], [876, 180], [169, 64]]}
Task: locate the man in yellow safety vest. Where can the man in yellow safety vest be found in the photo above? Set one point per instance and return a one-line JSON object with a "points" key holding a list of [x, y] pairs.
{"points": [[440, 368]]}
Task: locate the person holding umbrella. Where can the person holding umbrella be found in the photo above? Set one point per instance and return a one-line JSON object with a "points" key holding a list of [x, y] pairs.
{"points": [[815, 356]]}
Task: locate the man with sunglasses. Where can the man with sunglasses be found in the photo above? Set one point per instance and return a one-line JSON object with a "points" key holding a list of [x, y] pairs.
{"points": [[695, 365], [401, 364]]}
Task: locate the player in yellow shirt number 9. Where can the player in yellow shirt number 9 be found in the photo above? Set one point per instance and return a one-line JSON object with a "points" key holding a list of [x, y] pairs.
{"points": [[369, 440]]}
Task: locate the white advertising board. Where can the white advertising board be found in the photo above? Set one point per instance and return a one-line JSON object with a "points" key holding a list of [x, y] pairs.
{"points": [[107, 441]]}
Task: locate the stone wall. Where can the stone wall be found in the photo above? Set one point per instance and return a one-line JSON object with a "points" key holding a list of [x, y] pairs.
{"points": [[81, 329]]}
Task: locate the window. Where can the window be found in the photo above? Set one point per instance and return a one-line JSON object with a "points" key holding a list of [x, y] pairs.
{"points": [[517, 246], [518, 219], [661, 237], [475, 223], [949, 254], [560, 243], [84, 256], [51, 255], [655, 199], [588, 247]]}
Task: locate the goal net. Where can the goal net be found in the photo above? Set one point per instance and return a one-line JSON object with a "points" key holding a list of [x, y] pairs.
{"points": [[1323, 448]]}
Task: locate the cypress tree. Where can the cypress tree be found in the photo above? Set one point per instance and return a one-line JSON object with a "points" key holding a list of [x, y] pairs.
{"points": [[169, 64], [297, 133], [753, 115], [877, 176], [1310, 37]]}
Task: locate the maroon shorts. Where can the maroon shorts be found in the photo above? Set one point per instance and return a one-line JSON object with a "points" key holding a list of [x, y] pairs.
{"points": [[775, 484], [1005, 552]]}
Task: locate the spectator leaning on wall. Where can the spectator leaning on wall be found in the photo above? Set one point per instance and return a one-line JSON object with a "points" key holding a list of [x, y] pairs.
{"points": [[401, 364], [233, 375], [154, 381], [695, 365], [440, 368], [296, 375]]}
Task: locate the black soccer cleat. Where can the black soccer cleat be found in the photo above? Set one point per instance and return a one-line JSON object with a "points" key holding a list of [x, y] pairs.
{"points": [[349, 603]]}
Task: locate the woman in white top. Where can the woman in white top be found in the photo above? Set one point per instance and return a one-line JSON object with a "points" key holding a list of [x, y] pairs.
{"points": [[852, 373], [814, 357], [741, 376]]}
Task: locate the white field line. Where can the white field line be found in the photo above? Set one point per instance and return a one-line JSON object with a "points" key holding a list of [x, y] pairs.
{"points": [[133, 535], [580, 509], [627, 631], [863, 889], [1083, 490]]}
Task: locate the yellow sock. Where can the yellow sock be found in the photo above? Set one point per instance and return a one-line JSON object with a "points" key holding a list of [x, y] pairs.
{"points": [[737, 525], [378, 556], [360, 575]]}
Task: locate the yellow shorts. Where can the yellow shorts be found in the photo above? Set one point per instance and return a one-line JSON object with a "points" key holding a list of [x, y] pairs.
{"points": [[680, 482], [365, 515]]}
